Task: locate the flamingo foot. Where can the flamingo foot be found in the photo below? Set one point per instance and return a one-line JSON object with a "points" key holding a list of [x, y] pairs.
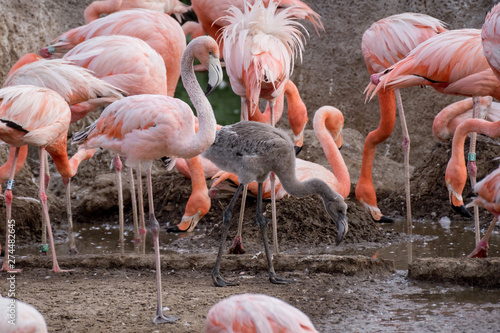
{"points": [[481, 250], [8, 269], [276, 280], [220, 282], [160, 319], [461, 210], [237, 247], [57, 269]]}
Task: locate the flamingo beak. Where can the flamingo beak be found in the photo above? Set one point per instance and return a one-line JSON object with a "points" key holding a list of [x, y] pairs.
{"points": [[342, 227], [215, 75]]}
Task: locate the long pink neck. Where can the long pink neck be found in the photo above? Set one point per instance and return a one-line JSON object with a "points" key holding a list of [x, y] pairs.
{"points": [[96, 8], [67, 167], [328, 122]]}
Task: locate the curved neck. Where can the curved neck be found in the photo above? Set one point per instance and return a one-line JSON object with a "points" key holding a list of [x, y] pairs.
{"points": [[491, 129], [332, 153], [67, 167], [96, 8], [206, 119]]}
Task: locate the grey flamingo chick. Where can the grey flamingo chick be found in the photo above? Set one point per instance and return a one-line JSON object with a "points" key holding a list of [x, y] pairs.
{"points": [[253, 150]]}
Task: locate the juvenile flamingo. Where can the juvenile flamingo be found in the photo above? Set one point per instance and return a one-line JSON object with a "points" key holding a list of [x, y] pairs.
{"points": [[40, 117], [162, 32], [106, 7], [383, 44], [328, 123], [253, 150], [452, 63], [81, 90], [260, 46], [256, 313], [27, 318], [147, 127]]}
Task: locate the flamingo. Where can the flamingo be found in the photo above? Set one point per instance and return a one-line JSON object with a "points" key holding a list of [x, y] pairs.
{"points": [[256, 313], [260, 46], [40, 117], [162, 32], [452, 63], [24, 319], [81, 90], [98, 8], [210, 14], [447, 120], [383, 44], [328, 123], [253, 150], [146, 127], [488, 196], [490, 39]]}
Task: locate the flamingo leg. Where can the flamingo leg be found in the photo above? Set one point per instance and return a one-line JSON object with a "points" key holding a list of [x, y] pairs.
{"points": [[71, 237], [262, 223], [472, 167], [226, 220], [118, 168], [45, 210], [44, 248], [406, 153], [133, 197], [481, 249], [142, 229], [8, 201], [272, 177], [237, 247], [155, 230]]}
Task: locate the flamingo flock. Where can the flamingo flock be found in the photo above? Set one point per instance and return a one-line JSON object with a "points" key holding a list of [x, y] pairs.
{"points": [[121, 69]]}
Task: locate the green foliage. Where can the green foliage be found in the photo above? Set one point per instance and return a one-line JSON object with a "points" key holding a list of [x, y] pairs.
{"points": [[225, 102]]}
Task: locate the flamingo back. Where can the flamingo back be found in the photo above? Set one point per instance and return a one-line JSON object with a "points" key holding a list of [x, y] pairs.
{"points": [[123, 61], [450, 58], [390, 39], [490, 35], [256, 313], [74, 83], [40, 113], [27, 319], [142, 127]]}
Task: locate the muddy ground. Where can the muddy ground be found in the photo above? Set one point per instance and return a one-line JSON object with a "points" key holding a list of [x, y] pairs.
{"points": [[365, 295]]}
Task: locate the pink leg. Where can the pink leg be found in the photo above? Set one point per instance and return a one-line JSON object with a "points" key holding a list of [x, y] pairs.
{"points": [[118, 168], [45, 209], [6, 267], [155, 230], [133, 197], [72, 245], [142, 229]]}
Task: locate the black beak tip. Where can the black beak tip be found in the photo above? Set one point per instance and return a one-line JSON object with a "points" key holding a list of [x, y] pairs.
{"points": [[461, 210], [297, 149], [209, 90]]}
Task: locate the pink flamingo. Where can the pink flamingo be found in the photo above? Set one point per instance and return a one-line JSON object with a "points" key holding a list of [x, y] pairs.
{"points": [[27, 318], [260, 46], [106, 7], [447, 120], [383, 44], [256, 313], [328, 123], [40, 117], [210, 14], [146, 127], [488, 196], [491, 39], [81, 90], [162, 32], [452, 63]]}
